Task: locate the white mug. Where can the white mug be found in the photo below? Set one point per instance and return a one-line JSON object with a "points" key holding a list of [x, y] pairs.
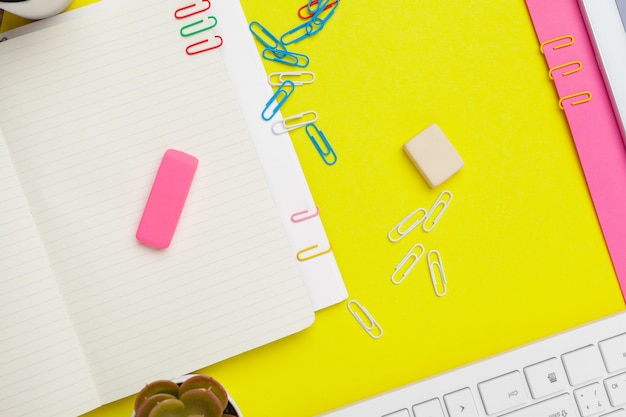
{"points": [[35, 9]]}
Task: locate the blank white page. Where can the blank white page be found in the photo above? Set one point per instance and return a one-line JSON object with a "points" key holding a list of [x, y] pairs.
{"points": [[43, 369], [88, 108]]}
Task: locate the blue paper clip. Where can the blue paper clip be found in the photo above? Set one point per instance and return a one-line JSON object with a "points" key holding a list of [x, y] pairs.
{"points": [[317, 17], [320, 5], [286, 57], [317, 133], [296, 34], [211, 21], [265, 37], [280, 96]]}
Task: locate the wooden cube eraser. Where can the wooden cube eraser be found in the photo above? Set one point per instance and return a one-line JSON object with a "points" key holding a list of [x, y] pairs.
{"points": [[433, 155]]}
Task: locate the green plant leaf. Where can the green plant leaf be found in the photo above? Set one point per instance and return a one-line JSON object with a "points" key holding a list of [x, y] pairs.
{"points": [[169, 408], [161, 386], [201, 402], [207, 383]]}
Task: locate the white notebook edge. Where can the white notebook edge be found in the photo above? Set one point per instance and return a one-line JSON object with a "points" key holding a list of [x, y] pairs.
{"points": [[287, 181]]}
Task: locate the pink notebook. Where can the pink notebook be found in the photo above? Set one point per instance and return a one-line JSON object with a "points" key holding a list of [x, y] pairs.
{"points": [[571, 62]]}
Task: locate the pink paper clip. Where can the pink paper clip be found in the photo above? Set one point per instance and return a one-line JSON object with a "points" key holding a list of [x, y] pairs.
{"points": [[190, 50], [178, 13], [304, 215]]}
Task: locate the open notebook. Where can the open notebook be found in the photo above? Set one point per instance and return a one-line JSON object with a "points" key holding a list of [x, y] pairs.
{"points": [[88, 105]]}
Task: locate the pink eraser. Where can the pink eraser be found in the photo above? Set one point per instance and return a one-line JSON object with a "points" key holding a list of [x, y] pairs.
{"points": [[167, 198]]}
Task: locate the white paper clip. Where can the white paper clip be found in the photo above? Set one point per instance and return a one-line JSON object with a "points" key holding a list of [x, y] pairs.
{"points": [[439, 207], [437, 273], [397, 233], [414, 257], [298, 77], [365, 319], [285, 125]]}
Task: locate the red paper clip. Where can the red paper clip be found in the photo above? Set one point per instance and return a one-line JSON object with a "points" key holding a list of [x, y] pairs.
{"points": [[309, 14], [191, 52], [177, 14]]}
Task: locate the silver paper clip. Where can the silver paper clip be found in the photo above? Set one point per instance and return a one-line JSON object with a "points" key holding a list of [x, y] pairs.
{"points": [[298, 78], [300, 255], [304, 215], [437, 274], [412, 255], [365, 319], [438, 208], [328, 155], [417, 216], [285, 125], [280, 96]]}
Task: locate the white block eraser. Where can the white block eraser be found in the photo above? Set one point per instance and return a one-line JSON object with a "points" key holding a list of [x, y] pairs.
{"points": [[433, 155]]}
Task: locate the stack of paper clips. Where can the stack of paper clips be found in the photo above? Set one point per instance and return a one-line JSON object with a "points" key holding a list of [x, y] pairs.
{"points": [[315, 15], [428, 219]]}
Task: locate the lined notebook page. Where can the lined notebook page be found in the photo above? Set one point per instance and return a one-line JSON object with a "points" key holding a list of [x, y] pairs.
{"points": [[88, 108], [43, 369]]}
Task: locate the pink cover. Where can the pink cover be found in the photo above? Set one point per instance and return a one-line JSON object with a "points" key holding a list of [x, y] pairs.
{"points": [[167, 198], [593, 124]]}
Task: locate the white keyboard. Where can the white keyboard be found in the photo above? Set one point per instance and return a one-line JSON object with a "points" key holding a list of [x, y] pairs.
{"points": [[578, 373]]}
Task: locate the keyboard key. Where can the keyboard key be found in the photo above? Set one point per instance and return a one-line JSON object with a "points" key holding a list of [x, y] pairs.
{"points": [[461, 403], [430, 408], [591, 400], [400, 413], [616, 387], [558, 406], [545, 378], [616, 413], [583, 365], [614, 352], [503, 393]]}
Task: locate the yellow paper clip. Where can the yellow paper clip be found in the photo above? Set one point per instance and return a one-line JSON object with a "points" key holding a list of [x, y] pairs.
{"points": [[417, 216], [579, 66], [285, 125], [586, 94], [437, 273], [304, 215], [365, 319], [300, 255], [325, 150], [569, 38], [414, 256], [438, 208], [298, 77]]}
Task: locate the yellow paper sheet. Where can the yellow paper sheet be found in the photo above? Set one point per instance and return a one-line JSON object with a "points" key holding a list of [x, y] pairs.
{"points": [[520, 243]]}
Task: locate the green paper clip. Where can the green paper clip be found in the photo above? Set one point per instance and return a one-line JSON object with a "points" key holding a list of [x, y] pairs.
{"points": [[211, 20], [318, 134]]}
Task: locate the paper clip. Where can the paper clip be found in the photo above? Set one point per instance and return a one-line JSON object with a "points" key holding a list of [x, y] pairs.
{"points": [[310, 14], [587, 98], [442, 203], [286, 57], [280, 96], [437, 273], [178, 15], [327, 12], [300, 254], [317, 3], [296, 34], [579, 66], [211, 20], [285, 125], [318, 134], [190, 50], [365, 319], [265, 37], [411, 254], [419, 215], [570, 41], [304, 215], [309, 77]]}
